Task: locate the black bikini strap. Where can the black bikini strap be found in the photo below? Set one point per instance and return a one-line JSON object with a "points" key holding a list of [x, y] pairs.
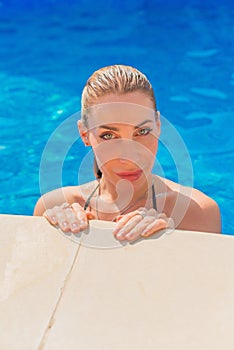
{"points": [[90, 196], [154, 198], [92, 193]]}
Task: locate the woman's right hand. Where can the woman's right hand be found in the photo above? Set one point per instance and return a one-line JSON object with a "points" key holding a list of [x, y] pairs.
{"points": [[68, 217]]}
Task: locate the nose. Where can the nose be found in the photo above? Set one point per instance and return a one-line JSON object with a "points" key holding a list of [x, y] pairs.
{"points": [[125, 150], [129, 151]]}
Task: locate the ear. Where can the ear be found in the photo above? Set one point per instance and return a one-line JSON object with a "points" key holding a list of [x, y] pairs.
{"points": [[84, 133], [158, 123]]}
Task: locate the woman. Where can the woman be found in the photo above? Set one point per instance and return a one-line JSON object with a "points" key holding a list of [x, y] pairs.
{"points": [[121, 123]]}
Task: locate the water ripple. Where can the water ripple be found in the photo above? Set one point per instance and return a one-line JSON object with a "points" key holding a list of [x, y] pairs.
{"points": [[202, 53], [214, 93]]}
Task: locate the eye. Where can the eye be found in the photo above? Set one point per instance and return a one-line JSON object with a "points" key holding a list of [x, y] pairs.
{"points": [[107, 136], [144, 131]]}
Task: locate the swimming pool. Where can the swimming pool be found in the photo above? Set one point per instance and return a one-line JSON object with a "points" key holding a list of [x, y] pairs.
{"points": [[48, 49]]}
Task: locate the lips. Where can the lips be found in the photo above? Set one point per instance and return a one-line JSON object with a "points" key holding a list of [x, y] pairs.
{"points": [[130, 175]]}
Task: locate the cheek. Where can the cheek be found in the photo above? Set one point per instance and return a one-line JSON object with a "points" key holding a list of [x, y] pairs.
{"points": [[141, 152], [93, 140], [154, 147], [151, 143], [107, 151]]}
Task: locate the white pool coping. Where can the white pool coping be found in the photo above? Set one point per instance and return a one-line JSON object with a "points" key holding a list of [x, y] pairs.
{"points": [[172, 291]]}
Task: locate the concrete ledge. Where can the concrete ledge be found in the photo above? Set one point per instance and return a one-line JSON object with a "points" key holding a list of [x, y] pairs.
{"points": [[168, 292]]}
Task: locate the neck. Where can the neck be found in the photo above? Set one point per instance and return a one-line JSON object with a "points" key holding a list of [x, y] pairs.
{"points": [[124, 193]]}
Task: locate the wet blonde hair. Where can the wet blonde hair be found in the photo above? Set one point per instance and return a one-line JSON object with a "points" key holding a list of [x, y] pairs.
{"points": [[118, 79]]}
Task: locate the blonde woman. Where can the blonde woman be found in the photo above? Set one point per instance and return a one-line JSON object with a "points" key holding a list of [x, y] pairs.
{"points": [[121, 123]]}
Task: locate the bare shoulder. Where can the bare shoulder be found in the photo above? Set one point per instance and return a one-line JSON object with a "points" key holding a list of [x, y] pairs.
{"points": [[68, 194], [190, 208], [203, 214]]}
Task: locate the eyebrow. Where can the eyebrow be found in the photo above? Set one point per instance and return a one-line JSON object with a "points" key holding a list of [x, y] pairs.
{"points": [[116, 129]]}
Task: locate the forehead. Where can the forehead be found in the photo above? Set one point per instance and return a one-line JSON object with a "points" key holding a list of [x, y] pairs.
{"points": [[118, 112]]}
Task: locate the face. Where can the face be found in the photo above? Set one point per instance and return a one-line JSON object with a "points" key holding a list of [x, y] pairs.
{"points": [[123, 131]]}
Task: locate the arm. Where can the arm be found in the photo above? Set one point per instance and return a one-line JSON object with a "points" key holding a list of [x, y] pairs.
{"points": [[55, 198]]}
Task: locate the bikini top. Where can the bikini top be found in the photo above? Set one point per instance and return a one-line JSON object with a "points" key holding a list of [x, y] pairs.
{"points": [[93, 192]]}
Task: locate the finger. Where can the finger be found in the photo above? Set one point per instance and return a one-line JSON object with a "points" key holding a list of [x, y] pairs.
{"points": [[170, 225], [123, 220], [51, 216], [153, 212], [132, 230], [157, 225], [139, 228], [81, 215], [118, 217], [63, 218], [72, 220], [128, 227], [90, 215]]}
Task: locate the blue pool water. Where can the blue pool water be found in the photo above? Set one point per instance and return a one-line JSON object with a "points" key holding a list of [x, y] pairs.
{"points": [[49, 48]]}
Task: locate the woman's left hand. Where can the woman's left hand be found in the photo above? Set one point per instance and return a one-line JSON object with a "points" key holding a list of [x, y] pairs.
{"points": [[141, 223]]}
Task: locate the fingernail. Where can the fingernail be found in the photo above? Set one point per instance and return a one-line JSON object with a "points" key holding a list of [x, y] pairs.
{"points": [[74, 225], [64, 224], [116, 230], [120, 234], [144, 233], [83, 224]]}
